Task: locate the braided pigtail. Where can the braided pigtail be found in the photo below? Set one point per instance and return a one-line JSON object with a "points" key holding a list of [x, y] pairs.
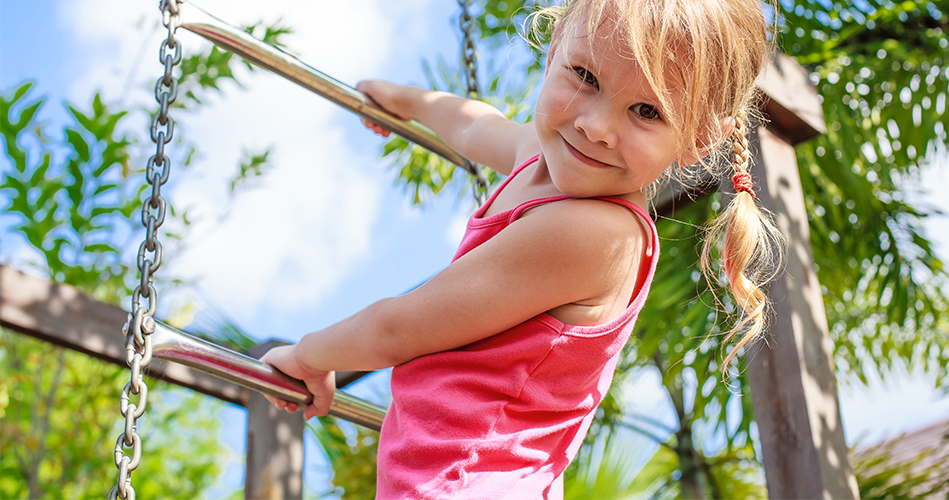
{"points": [[752, 251]]}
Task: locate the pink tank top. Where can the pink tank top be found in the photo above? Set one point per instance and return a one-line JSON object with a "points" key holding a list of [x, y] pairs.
{"points": [[502, 417]]}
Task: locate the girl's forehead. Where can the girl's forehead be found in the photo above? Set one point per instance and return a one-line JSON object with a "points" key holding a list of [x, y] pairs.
{"points": [[607, 53], [601, 52], [609, 44], [605, 41]]}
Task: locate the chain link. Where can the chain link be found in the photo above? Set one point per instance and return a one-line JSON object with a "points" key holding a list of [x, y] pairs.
{"points": [[469, 53], [141, 321], [469, 56]]}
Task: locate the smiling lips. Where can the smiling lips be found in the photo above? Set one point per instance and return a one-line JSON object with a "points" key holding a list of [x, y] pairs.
{"points": [[584, 158]]}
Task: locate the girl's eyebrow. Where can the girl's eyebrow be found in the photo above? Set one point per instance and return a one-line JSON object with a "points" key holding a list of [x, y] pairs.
{"points": [[581, 58], [576, 49]]}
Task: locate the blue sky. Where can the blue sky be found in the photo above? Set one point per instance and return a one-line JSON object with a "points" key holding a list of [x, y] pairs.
{"points": [[326, 232]]}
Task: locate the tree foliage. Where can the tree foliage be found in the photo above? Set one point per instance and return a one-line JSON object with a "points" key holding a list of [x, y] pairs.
{"points": [[351, 452], [60, 417], [69, 208], [882, 70], [881, 475], [74, 197]]}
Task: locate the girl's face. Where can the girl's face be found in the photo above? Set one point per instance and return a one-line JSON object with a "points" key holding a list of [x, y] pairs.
{"points": [[599, 124]]}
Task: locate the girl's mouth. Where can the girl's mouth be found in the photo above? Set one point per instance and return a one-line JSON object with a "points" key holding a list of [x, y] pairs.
{"points": [[584, 158]]}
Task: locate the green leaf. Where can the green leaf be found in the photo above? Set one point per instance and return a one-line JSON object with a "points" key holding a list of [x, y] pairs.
{"points": [[53, 204], [79, 145], [104, 188], [100, 247], [97, 211], [26, 116]]}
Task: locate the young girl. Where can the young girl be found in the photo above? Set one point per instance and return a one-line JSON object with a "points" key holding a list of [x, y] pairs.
{"points": [[502, 358]]}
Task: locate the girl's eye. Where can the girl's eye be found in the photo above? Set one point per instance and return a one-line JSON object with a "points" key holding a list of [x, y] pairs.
{"points": [[646, 111], [586, 76]]}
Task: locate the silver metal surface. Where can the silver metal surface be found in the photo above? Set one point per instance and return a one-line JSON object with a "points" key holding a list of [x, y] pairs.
{"points": [[138, 330], [469, 56], [271, 58], [175, 345]]}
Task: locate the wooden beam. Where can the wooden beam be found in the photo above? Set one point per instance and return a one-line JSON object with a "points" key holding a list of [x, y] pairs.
{"points": [[793, 383], [793, 386], [62, 315], [791, 103], [675, 195]]}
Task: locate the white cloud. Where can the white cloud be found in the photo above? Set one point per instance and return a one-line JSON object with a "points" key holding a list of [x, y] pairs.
{"points": [[108, 48], [456, 229], [291, 240]]}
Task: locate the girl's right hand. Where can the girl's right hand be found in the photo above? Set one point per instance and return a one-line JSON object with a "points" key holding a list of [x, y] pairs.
{"points": [[384, 96], [320, 383]]}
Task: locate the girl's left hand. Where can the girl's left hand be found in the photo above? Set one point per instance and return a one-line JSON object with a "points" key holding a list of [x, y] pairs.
{"points": [[381, 95], [320, 383]]}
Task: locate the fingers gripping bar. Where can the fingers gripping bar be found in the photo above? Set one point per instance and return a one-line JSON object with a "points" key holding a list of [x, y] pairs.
{"points": [[174, 345], [279, 62]]}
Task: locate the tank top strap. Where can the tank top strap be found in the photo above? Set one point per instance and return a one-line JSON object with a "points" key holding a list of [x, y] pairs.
{"points": [[636, 209], [522, 166], [648, 265], [487, 203], [654, 233], [647, 269], [518, 210]]}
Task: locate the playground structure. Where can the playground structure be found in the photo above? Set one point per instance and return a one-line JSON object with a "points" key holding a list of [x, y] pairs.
{"points": [[793, 385]]}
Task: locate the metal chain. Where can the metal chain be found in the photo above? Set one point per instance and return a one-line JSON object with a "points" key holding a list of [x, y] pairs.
{"points": [[470, 60], [141, 321]]}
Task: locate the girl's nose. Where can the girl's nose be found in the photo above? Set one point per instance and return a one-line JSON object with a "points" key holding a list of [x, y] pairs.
{"points": [[596, 124]]}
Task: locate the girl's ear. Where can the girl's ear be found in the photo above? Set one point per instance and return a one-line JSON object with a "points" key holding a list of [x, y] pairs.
{"points": [[728, 127], [705, 147]]}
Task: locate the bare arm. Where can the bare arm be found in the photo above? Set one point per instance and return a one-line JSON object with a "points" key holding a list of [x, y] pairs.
{"points": [[478, 131], [559, 254]]}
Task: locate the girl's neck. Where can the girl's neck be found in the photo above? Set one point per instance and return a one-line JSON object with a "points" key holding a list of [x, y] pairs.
{"points": [[540, 177]]}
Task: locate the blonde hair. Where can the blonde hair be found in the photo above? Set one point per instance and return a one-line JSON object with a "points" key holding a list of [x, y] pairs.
{"points": [[712, 52]]}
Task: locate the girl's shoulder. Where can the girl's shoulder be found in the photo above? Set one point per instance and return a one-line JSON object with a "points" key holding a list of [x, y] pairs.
{"points": [[605, 228], [598, 247]]}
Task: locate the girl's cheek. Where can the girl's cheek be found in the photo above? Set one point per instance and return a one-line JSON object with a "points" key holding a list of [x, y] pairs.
{"points": [[556, 104]]}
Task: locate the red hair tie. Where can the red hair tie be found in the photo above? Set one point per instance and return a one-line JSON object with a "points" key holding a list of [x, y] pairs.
{"points": [[742, 181]]}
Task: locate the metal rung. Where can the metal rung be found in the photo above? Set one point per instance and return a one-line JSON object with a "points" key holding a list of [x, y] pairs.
{"points": [[175, 345], [277, 61]]}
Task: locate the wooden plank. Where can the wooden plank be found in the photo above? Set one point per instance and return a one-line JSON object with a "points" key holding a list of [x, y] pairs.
{"points": [[792, 383], [274, 446], [792, 104], [62, 315]]}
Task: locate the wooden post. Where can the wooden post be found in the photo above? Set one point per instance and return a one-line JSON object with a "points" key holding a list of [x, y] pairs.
{"points": [[274, 446], [793, 384]]}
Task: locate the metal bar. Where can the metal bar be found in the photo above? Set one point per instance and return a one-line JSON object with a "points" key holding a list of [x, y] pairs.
{"points": [[277, 61], [174, 345]]}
